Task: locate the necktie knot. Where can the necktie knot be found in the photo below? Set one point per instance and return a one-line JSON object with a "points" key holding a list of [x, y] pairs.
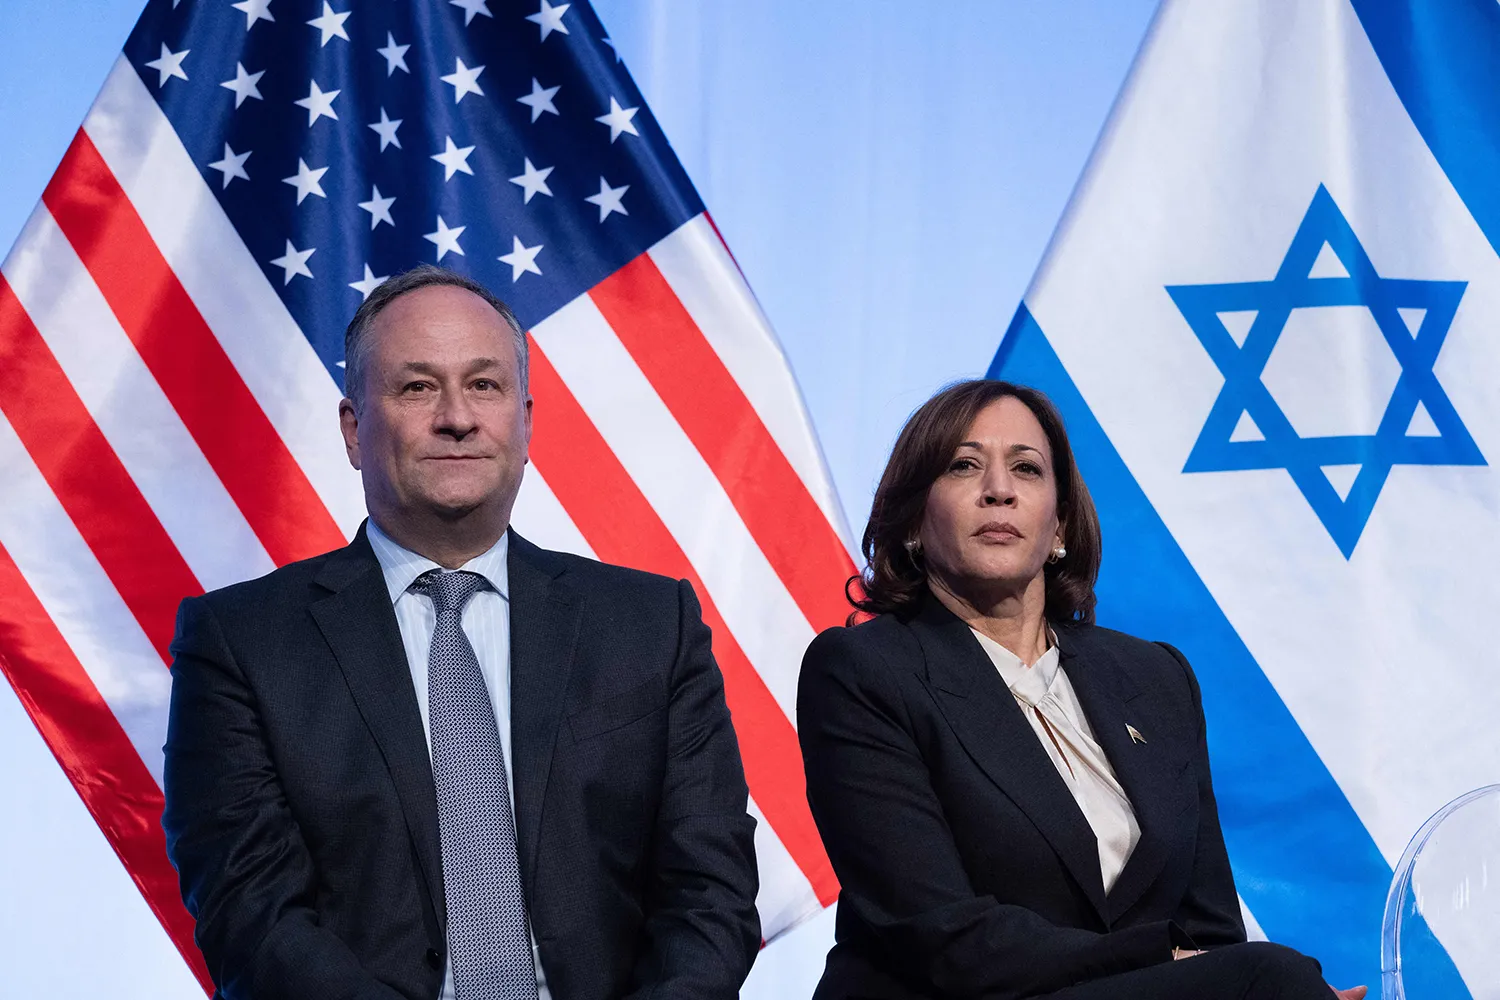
{"points": [[450, 590]]}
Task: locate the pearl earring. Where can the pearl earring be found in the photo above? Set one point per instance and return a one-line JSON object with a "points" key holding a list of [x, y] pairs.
{"points": [[1058, 554]]}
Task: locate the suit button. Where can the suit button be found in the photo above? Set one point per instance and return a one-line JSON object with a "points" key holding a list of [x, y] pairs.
{"points": [[434, 959]]}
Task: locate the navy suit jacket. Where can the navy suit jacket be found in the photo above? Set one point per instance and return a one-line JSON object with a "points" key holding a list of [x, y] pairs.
{"points": [[302, 817], [967, 867]]}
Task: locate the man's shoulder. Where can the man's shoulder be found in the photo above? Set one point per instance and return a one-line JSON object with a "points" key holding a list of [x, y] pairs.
{"points": [[630, 606], [289, 585], [588, 575]]}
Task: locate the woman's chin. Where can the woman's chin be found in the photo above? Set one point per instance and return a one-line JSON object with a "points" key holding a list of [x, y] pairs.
{"points": [[988, 584], [1004, 573]]}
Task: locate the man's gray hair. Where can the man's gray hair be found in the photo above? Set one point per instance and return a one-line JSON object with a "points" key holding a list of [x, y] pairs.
{"points": [[356, 344]]}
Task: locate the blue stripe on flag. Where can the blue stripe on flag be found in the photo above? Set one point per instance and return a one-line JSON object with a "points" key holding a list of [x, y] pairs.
{"points": [[1440, 57], [1304, 863]]}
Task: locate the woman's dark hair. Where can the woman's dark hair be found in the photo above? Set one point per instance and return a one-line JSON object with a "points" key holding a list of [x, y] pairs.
{"points": [[895, 579]]}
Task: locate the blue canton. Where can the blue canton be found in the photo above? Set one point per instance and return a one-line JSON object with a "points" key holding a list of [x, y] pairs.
{"points": [[350, 141], [1245, 392]]}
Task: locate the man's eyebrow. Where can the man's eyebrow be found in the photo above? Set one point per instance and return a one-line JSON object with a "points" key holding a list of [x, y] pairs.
{"points": [[481, 364]]}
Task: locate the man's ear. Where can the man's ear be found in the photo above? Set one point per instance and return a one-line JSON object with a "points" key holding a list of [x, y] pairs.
{"points": [[349, 427], [527, 419]]}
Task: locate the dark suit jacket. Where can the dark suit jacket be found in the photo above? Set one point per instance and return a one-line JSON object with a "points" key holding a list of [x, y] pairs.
{"points": [[302, 817], [967, 867]]}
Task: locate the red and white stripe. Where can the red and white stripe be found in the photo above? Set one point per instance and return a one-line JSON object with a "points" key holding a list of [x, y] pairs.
{"points": [[168, 429]]}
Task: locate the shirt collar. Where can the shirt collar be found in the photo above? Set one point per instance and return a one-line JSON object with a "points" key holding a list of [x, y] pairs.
{"points": [[402, 566], [1012, 670]]}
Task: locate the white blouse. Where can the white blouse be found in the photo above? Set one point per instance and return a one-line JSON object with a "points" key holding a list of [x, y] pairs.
{"points": [[1049, 703]]}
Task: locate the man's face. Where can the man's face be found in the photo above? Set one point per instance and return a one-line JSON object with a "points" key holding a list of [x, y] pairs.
{"points": [[444, 425]]}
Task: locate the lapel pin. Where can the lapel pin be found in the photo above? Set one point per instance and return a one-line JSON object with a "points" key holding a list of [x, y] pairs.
{"points": [[1135, 734]]}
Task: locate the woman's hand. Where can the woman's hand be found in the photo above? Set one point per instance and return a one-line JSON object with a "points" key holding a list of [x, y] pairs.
{"points": [[1352, 993]]}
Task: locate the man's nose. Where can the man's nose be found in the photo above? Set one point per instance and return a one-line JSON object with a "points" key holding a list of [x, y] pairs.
{"points": [[455, 414]]}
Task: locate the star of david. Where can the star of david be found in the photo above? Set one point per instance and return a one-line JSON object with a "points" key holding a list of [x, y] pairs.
{"points": [[1279, 446]]}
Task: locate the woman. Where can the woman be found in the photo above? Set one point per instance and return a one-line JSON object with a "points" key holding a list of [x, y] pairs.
{"points": [[1016, 801]]}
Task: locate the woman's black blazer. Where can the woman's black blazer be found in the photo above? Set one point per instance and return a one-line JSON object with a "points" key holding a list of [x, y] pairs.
{"points": [[967, 867]]}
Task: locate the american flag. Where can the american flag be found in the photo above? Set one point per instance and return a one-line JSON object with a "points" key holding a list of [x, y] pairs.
{"points": [[171, 325]]}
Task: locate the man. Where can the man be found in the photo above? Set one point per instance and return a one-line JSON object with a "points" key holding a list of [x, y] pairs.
{"points": [[442, 761]]}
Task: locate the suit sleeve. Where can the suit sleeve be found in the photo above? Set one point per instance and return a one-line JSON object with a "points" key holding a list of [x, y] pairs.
{"points": [[246, 875], [884, 827], [702, 928], [1210, 912]]}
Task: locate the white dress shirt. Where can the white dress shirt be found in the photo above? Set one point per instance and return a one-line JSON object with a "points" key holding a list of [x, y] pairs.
{"points": [[1049, 703], [486, 621]]}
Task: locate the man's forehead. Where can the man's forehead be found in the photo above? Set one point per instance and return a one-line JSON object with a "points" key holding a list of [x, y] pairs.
{"points": [[438, 302], [423, 322]]}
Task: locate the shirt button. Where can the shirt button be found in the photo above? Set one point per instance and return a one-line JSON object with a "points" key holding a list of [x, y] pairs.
{"points": [[434, 959]]}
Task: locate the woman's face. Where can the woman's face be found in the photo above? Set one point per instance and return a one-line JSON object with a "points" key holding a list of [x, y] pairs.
{"points": [[991, 517]]}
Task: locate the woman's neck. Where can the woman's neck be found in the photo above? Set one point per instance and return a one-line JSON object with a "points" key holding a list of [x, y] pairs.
{"points": [[1015, 618]]}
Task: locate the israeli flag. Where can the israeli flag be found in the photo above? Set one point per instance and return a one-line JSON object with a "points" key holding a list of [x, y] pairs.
{"points": [[1271, 317]]}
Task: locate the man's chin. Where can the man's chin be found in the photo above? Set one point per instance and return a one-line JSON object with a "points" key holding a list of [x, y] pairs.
{"points": [[463, 500], [455, 511], [459, 495]]}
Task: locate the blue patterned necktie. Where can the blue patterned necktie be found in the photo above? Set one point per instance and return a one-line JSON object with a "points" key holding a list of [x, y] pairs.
{"points": [[489, 944]]}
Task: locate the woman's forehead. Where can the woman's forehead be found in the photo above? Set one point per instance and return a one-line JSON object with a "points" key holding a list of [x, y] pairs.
{"points": [[1004, 424]]}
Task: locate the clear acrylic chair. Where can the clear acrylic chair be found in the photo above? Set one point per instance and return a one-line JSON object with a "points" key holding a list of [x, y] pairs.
{"points": [[1441, 935]]}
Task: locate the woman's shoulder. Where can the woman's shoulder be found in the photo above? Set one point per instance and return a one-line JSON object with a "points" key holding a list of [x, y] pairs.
{"points": [[865, 667], [1144, 659], [1116, 642], [872, 647], [865, 637]]}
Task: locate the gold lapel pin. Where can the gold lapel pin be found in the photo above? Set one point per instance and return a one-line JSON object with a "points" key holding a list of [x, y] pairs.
{"points": [[1135, 734]]}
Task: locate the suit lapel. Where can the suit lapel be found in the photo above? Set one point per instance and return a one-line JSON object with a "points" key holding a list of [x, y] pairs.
{"points": [[1111, 702], [359, 623], [991, 726], [545, 615]]}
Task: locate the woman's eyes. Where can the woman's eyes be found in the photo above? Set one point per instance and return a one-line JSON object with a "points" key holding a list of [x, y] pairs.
{"points": [[1020, 468]]}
